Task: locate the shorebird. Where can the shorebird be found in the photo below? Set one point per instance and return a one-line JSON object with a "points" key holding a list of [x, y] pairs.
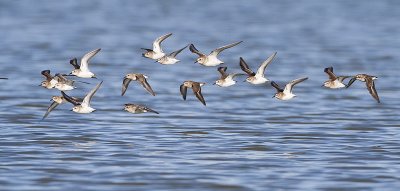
{"points": [[170, 58], [64, 84], [226, 79], [286, 94], [157, 51], [135, 108], [256, 78], [211, 59], [50, 81], [57, 100], [196, 86], [369, 82], [334, 81], [84, 106], [141, 78], [82, 70]]}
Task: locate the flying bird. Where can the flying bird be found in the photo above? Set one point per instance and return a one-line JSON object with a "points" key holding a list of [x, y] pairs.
{"points": [[50, 81], [57, 100], [170, 58], [211, 59], [82, 70], [286, 94], [140, 78], [157, 51], [196, 87], [84, 106], [369, 82], [226, 79], [64, 84], [334, 82], [256, 77], [135, 108]]}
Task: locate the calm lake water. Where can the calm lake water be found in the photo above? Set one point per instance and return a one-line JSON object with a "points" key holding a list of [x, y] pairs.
{"points": [[244, 139]]}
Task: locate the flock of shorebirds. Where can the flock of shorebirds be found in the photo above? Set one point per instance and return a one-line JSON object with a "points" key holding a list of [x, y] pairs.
{"points": [[81, 70]]}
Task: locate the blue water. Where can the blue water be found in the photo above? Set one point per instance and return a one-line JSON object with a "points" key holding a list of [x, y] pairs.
{"points": [[244, 139]]}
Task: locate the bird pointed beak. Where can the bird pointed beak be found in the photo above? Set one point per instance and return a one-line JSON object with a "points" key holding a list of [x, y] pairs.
{"points": [[71, 110], [94, 77], [322, 85], [195, 61], [214, 83]]}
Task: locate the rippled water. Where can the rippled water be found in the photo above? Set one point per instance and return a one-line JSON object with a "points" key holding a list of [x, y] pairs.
{"points": [[243, 140]]}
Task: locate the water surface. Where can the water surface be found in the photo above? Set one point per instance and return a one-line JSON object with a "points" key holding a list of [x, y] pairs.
{"points": [[243, 140]]}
